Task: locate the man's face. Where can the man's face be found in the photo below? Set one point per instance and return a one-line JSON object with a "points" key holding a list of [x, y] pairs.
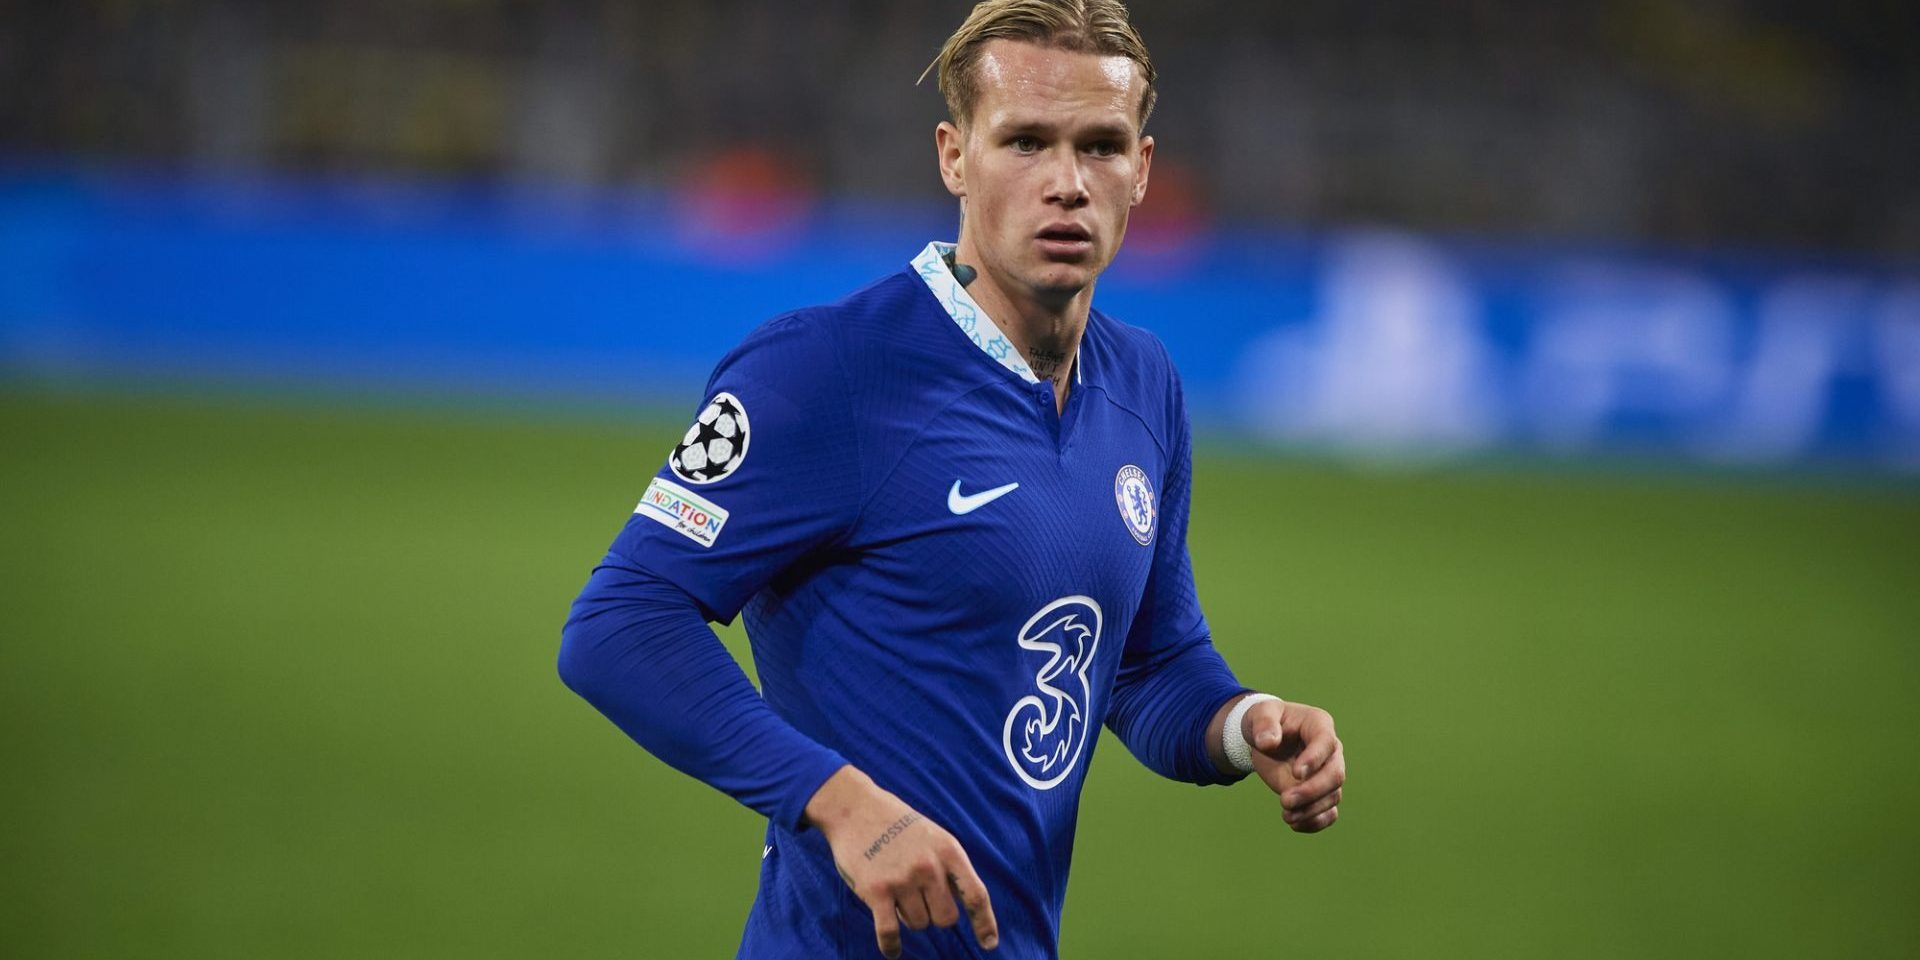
{"points": [[1050, 164]]}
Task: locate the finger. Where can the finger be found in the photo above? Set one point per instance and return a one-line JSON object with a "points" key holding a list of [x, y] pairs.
{"points": [[973, 897], [1318, 823], [1320, 745], [886, 929], [1312, 810], [912, 908], [940, 906], [1330, 777]]}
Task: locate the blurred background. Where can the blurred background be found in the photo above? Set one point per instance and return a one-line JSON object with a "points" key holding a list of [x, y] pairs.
{"points": [[1558, 369]]}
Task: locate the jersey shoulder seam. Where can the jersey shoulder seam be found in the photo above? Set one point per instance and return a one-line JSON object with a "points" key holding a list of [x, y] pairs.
{"points": [[1152, 431], [1117, 331]]}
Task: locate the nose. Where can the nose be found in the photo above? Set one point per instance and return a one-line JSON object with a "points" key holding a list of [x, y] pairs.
{"points": [[1066, 182]]}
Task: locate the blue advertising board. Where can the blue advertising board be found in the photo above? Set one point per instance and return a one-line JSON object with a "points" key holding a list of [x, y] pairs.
{"points": [[1382, 343]]}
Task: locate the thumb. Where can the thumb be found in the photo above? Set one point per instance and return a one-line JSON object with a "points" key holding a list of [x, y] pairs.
{"points": [[1267, 735]]}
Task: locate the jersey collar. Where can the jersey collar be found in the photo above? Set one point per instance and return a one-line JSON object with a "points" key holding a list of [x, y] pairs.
{"points": [[931, 265]]}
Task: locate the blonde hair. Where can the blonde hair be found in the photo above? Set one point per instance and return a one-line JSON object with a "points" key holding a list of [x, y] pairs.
{"points": [[1081, 26]]}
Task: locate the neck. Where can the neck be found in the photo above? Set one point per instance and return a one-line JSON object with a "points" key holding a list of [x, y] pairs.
{"points": [[1045, 329]]}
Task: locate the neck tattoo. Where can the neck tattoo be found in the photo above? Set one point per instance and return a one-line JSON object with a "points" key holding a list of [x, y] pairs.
{"points": [[961, 272], [1045, 363]]}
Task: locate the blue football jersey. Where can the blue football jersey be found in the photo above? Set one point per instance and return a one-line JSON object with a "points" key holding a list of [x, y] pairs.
{"points": [[942, 577]]}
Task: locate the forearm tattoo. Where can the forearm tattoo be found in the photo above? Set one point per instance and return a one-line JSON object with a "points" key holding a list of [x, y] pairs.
{"points": [[898, 827]]}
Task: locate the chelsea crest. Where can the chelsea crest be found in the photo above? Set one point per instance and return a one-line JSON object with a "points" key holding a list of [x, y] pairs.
{"points": [[1133, 492]]}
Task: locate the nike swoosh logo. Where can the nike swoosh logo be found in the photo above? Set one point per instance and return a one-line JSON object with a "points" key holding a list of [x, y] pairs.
{"points": [[967, 503]]}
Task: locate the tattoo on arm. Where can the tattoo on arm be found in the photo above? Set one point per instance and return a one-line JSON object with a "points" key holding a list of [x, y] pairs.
{"points": [[899, 826]]}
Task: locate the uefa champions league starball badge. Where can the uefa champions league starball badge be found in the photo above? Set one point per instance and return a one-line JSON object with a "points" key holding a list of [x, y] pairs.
{"points": [[1134, 494], [716, 444]]}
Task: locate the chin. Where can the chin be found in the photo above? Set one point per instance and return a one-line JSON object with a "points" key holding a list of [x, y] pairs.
{"points": [[1067, 278], [1061, 285]]}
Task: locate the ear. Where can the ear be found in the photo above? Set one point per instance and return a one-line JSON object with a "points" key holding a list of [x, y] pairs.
{"points": [[1140, 170], [949, 142]]}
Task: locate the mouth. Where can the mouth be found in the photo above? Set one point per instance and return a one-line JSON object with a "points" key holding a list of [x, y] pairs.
{"points": [[1065, 240]]}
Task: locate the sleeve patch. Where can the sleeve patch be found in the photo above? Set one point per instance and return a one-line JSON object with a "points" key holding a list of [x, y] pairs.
{"points": [[682, 511], [716, 444]]}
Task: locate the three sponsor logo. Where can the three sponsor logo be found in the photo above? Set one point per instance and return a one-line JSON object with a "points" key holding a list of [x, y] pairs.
{"points": [[1046, 731]]}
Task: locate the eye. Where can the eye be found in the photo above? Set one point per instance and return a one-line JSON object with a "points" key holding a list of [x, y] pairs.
{"points": [[1104, 148], [1024, 144]]}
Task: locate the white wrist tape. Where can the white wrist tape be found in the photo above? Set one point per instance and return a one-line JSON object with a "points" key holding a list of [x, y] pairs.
{"points": [[1233, 740]]}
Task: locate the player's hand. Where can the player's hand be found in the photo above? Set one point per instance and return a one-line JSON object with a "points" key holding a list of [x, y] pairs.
{"points": [[904, 867], [1296, 753]]}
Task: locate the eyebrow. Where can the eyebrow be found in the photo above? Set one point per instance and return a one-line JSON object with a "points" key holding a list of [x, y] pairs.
{"points": [[1119, 131]]}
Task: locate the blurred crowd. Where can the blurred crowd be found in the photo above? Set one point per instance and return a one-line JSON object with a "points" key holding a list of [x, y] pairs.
{"points": [[1729, 123]]}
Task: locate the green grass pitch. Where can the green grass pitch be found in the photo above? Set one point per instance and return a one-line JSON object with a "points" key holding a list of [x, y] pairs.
{"points": [[278, 682]]}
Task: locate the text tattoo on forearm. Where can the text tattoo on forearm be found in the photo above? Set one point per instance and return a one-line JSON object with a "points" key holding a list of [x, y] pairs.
{"points": [[895, 830]]}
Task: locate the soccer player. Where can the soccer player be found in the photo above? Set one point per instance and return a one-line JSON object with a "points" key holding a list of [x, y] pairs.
{"points": [[953, 510]]}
